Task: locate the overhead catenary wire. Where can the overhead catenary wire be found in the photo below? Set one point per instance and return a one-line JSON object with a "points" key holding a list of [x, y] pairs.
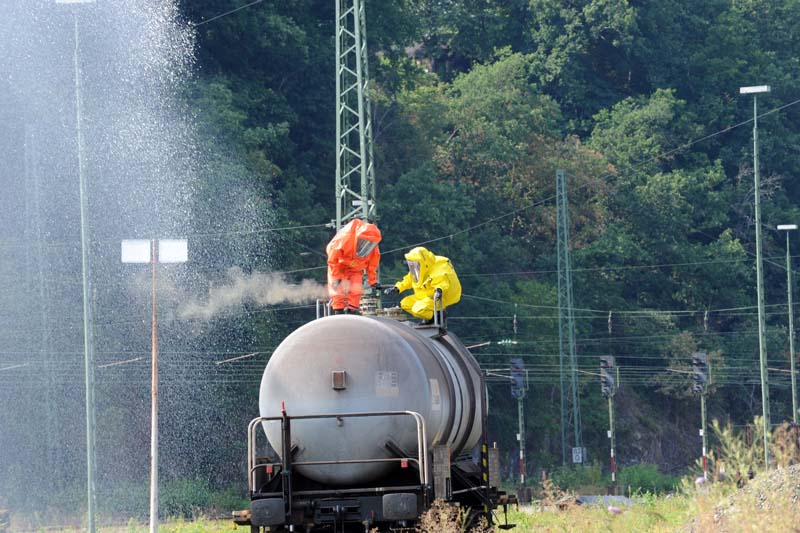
{"points": [[620, 312], [225, 14], [612, 268]]}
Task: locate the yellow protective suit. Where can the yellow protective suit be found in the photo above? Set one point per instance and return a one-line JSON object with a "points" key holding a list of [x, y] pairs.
{"points": [[435, 272]]}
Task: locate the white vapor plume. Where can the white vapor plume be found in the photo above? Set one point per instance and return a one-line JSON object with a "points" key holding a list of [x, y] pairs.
{"points": [[259, 288]]}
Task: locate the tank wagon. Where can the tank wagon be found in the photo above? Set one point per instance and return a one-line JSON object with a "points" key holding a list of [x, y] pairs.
{"points": [[370, 420]]}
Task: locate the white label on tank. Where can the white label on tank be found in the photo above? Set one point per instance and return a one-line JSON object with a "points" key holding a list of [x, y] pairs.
{"points": [[436, 398], [386, 383]]}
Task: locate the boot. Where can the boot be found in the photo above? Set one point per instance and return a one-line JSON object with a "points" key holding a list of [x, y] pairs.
{"points": [[352, 311], [338, 311]]}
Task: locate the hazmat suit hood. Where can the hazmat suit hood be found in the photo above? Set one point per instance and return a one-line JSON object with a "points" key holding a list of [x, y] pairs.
{"points": [[424, 258], [367, 237]]}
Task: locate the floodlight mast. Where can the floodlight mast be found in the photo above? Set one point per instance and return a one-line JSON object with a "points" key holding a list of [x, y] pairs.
{"points": [[762, 343]]}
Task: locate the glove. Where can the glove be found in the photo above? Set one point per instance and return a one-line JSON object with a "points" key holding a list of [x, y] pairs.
{"points": [[438, 293], [391, 291]]}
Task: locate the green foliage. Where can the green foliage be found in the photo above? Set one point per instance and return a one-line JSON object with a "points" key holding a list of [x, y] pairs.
{"points": [[476, 104], [642, 478], [190, 497], [187, 498], [580, 478], [738, 454]]}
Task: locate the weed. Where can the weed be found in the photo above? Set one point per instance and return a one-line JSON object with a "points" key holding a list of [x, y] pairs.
{"points": [[445, 518], [786, 444], [552, 496], [646, 478]]}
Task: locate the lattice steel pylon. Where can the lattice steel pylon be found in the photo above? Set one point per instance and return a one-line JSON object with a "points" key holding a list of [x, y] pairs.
{"points": [[355, 171], [570, 401]]}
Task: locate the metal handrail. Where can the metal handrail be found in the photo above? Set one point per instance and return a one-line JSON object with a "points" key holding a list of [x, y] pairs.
{"points": [[422, 440], [323, 308], [342, 462], [436, 314]]}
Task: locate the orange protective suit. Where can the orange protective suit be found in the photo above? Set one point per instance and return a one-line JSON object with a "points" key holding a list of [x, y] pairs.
{"points": [[352, 250]]}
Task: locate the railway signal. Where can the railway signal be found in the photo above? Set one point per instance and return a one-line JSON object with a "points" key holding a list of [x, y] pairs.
{"points": [[699, 373], [607, 381], [517, 378]]}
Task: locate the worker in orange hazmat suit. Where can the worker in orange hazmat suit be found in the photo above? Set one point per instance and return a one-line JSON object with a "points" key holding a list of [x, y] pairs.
{"points": [[352, 250], [428, 274]]}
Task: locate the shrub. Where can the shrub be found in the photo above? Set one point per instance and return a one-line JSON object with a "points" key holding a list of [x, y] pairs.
{"points": [[445, 518], [189, 498], [740, 454], [575, 477], [185, 498], [646, 478], [786, 444]]}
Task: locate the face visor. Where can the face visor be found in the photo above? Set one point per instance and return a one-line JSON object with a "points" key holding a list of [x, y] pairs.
{"points": [[364, 247], [413, 267]]}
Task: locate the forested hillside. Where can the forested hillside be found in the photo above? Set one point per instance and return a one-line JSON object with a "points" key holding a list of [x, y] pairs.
{"points": [[477, 104]]}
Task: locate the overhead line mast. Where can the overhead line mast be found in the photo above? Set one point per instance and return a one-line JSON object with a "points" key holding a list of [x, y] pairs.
{"points": [[570, 399], [355, 170]]}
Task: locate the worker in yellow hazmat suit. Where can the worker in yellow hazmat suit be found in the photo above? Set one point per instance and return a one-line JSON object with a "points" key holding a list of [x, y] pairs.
{"points": [[427, 275]]}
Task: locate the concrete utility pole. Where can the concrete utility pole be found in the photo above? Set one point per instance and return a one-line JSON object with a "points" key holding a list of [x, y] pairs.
{"points": [[88, 337], [762, 342], [787, 228]]}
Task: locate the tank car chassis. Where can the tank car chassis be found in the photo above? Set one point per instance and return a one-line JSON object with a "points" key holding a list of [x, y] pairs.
{"points": [[284, 500]]}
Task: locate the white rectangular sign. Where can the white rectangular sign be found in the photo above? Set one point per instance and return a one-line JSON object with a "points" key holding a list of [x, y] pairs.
{"points": [[173, 251], [577, 455], [754, 89], [135, 251]]}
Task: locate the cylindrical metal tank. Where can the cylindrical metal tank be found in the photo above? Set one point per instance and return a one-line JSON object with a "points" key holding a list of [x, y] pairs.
{"points": [[379, 364]]}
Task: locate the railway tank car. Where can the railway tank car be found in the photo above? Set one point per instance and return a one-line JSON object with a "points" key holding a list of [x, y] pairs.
{"points": [[371, 419]]}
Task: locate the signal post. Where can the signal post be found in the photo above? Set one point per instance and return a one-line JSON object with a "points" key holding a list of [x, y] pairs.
{"points": [[518, 392], [608, 387], [700, 386]]}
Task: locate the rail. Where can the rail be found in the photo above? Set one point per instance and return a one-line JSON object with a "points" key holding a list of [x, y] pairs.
{"points": [[422, 440]]}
